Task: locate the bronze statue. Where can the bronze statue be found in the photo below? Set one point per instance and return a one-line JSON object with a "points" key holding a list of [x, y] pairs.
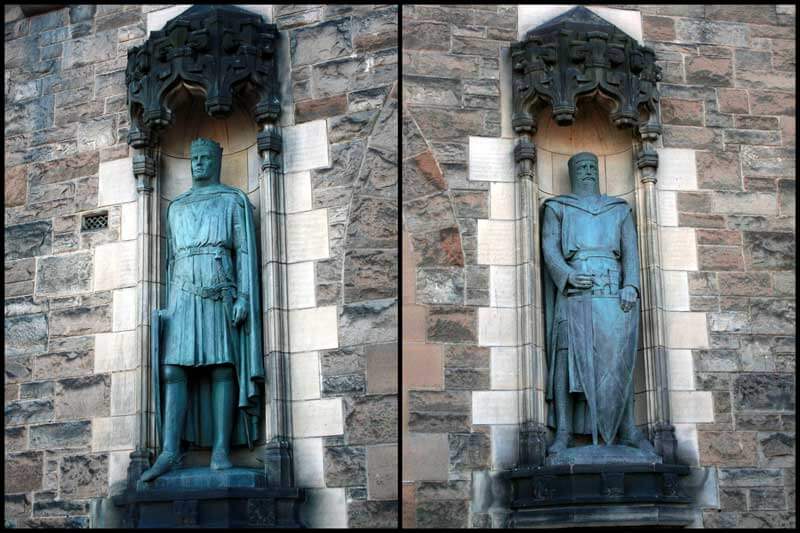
{"points": [[207, 342], [591, 295]]}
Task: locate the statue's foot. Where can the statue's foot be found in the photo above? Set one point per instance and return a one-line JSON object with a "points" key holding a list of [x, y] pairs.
{"points": [[166, 461], [220, 460], [560, 444]]}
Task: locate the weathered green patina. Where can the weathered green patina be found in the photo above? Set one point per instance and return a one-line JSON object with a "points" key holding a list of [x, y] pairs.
{"points": [[592, 312], [209, 354]]}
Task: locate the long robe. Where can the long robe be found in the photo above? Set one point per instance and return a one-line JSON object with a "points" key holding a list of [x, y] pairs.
{"points": [[217, 222], [596, 235]]}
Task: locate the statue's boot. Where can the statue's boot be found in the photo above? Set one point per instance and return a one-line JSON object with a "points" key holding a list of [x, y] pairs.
{"points": [[222, 397], [561, 443], [166, 461], [175, 400]]}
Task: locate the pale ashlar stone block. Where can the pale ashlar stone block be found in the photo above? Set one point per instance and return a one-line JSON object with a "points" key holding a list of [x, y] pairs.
{"points": [[502, 286], [313, 329], [305, 375], [676, 169], [301, 285], [495, 407], [125, 305], [531, 16], [156, 20], [115, 351], [505, 446], [307, 236], [382, 472], [686, 329], [176, 176], [298, 191], [129, 223], [504, 368], [681, 369], [116, 184], [124, 392], [324, 508], [676, 290], [619, 173], [425, 457], [667, 208], [691, 406], [678, 249], [497, 326], [496, 244], [114, 433], [305, 146], [688, 449], [118, 468], [491, 159], [317, 418], [234, 171], [115, 265], [308, 469], [502, 201]]}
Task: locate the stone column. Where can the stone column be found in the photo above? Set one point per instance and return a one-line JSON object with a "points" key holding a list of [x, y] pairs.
{"points": [[277, 456], [533, 432], [148, 249], [653, 324]]}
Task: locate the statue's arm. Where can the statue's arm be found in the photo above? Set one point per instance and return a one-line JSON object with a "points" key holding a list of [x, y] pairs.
{"points": [[630, 255], [551, 248]]}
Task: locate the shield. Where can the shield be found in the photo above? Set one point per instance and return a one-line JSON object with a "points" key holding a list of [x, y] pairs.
{"points": [[602, 344]]}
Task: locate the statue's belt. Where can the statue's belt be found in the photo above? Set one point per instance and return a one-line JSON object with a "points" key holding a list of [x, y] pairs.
{"points": [[200, 250], [214, 292]]}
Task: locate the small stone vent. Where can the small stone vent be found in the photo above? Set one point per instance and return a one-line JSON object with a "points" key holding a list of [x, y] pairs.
{"points": [[95, 221]]}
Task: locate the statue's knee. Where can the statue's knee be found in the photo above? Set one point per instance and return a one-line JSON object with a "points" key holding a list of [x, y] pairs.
{"points": [[173, 374], [222, 373]]}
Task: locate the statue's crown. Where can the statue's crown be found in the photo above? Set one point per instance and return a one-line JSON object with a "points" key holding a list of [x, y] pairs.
{"points": [[200, 142], [580, 157]]}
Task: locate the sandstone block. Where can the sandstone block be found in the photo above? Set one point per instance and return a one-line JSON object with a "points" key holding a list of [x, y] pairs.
{"points": [[323, 42], [370, 274], [382, 514], [23, 472], [26, 334], [55, 436], [27, 240], [769, 250], [425, 456], [382, 472], [64, 274], [80, 321], [729, 448], [382, 369], [83, 397], [764, 392], [443, 514], [452, 324], [84, 476], [371, 419], [368, 322]]}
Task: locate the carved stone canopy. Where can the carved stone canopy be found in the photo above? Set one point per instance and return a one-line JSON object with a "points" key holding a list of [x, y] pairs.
{"points": [[578, 54], [223, 52]]}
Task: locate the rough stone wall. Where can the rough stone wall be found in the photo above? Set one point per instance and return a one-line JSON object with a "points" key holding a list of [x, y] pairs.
{"points": [[728, 94], [344, 71], [65, 118], [70, 295], [451, 90], [728, 105]]}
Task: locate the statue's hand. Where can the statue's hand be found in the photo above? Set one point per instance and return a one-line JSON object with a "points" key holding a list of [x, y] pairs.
{"points": [[239, 311], [627, 297], [581, 281]]}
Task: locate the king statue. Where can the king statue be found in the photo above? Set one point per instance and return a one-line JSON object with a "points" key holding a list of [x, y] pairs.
{"points": [[591, 293], [207, 357]]}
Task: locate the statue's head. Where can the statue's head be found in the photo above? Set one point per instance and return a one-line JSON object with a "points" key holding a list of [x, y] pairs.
{"points": [[584, 173], [206, 160]]}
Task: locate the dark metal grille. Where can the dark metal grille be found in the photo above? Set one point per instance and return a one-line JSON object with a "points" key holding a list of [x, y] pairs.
{"points": [[96, 221]]}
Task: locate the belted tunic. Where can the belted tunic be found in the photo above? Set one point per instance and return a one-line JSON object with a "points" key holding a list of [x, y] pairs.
{"points": [[212, 260]]}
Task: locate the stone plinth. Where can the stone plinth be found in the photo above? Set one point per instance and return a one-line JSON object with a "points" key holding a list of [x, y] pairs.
{"points": [[599, 494], [603, 455], [200, 497]]}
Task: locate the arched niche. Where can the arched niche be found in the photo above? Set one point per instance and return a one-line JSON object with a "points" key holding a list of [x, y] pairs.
{"points": [[581, 84]]}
